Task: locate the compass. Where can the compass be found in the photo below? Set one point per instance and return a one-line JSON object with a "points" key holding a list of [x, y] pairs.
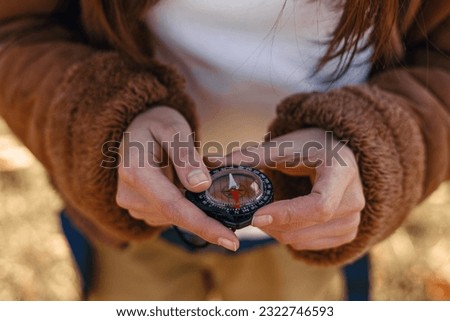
{"points": [[235, 194]]}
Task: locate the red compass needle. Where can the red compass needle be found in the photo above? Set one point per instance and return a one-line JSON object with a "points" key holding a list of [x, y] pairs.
{"points": [[235, 194], [233, 188]]}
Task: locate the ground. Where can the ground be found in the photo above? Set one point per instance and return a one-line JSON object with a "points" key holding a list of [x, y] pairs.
{"points": [[35, 262]]}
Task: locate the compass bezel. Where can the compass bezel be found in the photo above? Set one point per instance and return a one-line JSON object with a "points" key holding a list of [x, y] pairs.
{"points": [[232, 217]]}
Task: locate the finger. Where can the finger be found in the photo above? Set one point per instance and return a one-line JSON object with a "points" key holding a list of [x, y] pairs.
{"points": [[177, 140], [336, 228], [189, 217], [302, 210]]}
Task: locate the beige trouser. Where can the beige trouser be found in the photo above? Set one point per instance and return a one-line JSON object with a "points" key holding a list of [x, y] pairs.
{"points": [[157, 270]]}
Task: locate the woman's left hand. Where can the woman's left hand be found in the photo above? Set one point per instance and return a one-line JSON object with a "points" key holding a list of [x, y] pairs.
{"points": [[327, 217]]}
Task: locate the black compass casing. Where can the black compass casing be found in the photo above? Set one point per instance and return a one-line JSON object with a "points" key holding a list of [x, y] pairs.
{"points": [[235, 194]]}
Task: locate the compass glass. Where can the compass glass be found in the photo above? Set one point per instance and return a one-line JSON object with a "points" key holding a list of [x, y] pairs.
{"points": [[234, 189]]}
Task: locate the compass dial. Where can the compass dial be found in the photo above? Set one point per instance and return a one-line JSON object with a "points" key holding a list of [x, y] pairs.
{"points": [[235, 194]]}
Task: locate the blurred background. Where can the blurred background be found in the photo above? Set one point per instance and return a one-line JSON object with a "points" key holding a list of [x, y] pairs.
{"points": [[35, 262]]}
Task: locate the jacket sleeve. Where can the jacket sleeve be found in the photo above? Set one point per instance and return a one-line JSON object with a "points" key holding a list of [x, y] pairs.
{"points": [[398, 126], [70, 104]]}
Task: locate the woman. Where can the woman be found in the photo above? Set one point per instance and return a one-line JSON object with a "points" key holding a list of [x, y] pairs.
{"points": [[73, 82]]}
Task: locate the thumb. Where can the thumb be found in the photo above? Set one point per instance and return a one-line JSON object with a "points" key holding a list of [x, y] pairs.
{"points": [[175, 136], [191, 170]]}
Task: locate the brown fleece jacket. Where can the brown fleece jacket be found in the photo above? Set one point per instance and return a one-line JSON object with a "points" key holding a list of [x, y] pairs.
{"points": [[66, 101]]}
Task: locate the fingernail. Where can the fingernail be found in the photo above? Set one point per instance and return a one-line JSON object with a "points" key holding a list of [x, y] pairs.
{"points": [[229, 245], [263, 220], [197, 177]]}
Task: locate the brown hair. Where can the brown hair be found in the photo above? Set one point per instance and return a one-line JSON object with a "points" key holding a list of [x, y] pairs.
{"points": [[384, 18], [118, 24]]}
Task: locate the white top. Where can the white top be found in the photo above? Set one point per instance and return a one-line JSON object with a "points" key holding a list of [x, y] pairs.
{"points": [[241, 57]]}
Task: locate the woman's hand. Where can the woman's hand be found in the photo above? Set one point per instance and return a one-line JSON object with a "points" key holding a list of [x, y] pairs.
{"points": [[147, 190], [327, 217]]}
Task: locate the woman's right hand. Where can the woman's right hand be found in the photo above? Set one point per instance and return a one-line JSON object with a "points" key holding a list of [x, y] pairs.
{"points": [[147, 190]]}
